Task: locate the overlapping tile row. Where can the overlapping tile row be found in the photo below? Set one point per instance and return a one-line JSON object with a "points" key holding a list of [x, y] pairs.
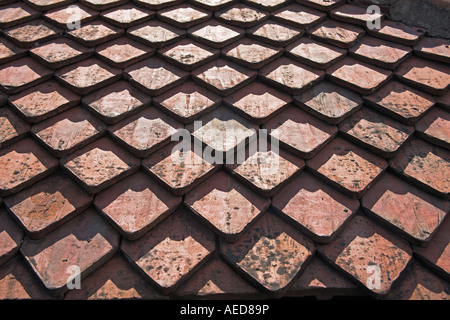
{"points": [[346, 193]]}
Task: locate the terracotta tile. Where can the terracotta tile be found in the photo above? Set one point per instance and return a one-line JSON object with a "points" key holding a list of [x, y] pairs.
{"points": [[275, 33], [354, 14], [28, 34], [315, 54], [61, 52], [136, 205], [215, 33], [429, 76], [324, 5], [115, 280], [358, 76], [22, 74], [226, 206], [123, 52], [68, 131], [348, 168], [329, 102], [87, 76], [187, 102], [145, 132], [407, 210], [184, 16], [314, 208], [155, 33], [12, 127], [155, 76], [212, 5], [46, 205], [17, 282], [43, 101], [336, 33], [364, 249], [178, 170], [103, 4], [299, 132], [95, 33], [67, 17], [157, 4], [188, 54], [401, 102], [298, 16], [216, 280], [11, 237], [376, 132], [99, 165], [419, 161], [271, 254], [16, 13], [258, 102], [434, 48], [87, 241], [173, 251], [380, 53], [290, 75], [435, 127], [268, 5], [116, 102], [251, 54], [9, 51], [23, 164], [127, 15], [241, 15], [223, 77], [44, 5], [398, 32]]}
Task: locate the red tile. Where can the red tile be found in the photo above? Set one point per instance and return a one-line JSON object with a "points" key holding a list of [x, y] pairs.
{"points": [[348, 168], [435, 127], [299, 132], [215, 33], [46, 205], [9, 51], [145, 132], [155, 33], [398, 32], [251, 54], [187, 102], [275, 33], [95, 33], [157, 4], [358, 76], [434, 48], [87, 242], [298, 16], [258, 102], [329, 102], [68, 131], [364, 251], [123, 52], [336, 33], [12, 127], [188, 54], [314, 208], [16, 13], [115, 280], [22, 74], [67, 17], [212, 5], [419, 161], [87, 76], [99, 165], [184, 16], [11, 237], [23, 164], [43, 101], [136, 205], [401, 102], [226, 206], [355, 14], [33, 32], [380, 53], [127, 15], [115, 102], [324, 5], [271, 254], [268, 5], [44, 5], [315, 54], [155, 76], [376, 132], [172, 251], [426, 75], [103, 4], [290, 75], [223, 77], [407, 210], [241, 15]]}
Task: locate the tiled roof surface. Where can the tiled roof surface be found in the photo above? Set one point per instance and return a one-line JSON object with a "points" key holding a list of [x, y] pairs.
{"points": [[354, 204]]}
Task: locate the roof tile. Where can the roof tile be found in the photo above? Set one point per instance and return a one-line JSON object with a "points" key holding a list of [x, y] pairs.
{"points": [[215, 33], [336, 33], [275, 33], [241, 15], [102, 4], [95, 33], [212, 5], [68, 17], [398, 32], [127, 15], [9, 51], [157, 4], [298, 16], [155, 33], [43, 5], [16, 13], [435, 127], [11, 237], [268, 5], [324, 5], [354, 14], [12, 127], [434, 48], [28, 34], [184, 15]]}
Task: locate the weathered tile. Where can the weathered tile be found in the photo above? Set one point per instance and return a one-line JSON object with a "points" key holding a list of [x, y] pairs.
{"points": [[28, 34], [275, 33], [336, 33], [16, 13], [11, 237], [324, 5], [215, 33], [434, 48], [9, 51], [127, 15], [71, 16], [95, 33], [44, 5], [268, 5], [157, 4], [12, 127], [123, 52], [103, 4], [184, 16], [241, 15], [355, 14], [212, 5], [398, 32], [298, 16], [155, 33], [435, 127]]}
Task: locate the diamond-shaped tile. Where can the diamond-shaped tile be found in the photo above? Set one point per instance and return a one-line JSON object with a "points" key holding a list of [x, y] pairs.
{"points": [[99, 165], [434, 48], [155, 33], [103, 4], [348, 168], [269, 5], [336, 33], [174, 250], [46, 205], [44, 5], [69, 17], [28, 34], [127, 15], [9, 51], [275, 33], [122, 52], [241, 15], [11, 237], [324, 5], [435, 127], [215, 33], [316, 209], [95, 33], [184, 16], [299, 16], [355, 14], [12, 127], [16, 13], [398, 32], [212, 5], [157, 4], [136, 205]]}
